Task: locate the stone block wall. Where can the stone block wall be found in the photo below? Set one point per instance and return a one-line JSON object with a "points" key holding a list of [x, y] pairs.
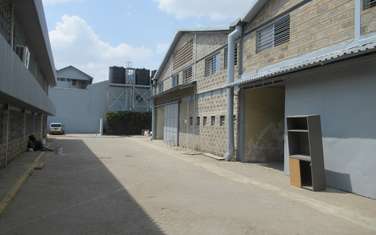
{"points": [[14, 134], [315, 25], [369, 20]]}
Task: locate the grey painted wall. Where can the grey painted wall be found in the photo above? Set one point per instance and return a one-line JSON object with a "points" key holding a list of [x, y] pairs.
{"points": [[80, 109], [344, 95], [17, 83]]}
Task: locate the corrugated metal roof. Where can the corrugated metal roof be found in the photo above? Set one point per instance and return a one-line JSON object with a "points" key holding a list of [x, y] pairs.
{"points": [[320, 57]]}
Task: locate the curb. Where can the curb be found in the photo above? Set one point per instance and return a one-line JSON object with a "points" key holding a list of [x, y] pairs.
{"points": [[215, 157], [11, 194]]}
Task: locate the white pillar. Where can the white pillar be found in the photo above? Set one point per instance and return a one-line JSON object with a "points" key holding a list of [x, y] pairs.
{"points": [[101, 127]]}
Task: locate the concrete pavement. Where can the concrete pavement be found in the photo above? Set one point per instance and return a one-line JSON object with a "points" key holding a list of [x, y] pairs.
{"points": [[114, 185]]}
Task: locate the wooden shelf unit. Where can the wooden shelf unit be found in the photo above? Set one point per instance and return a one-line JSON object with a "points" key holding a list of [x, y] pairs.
{"points": [[306, 155]]}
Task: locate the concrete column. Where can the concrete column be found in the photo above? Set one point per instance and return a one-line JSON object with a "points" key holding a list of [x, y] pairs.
{"points": [[101, 126], [241, 127], [24, 124], [153, 121], [41, 125], [6, 129]]}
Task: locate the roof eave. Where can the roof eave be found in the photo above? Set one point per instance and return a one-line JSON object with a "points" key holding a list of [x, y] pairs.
{"points": [[175, 41], [255, 9], [31, 16]]}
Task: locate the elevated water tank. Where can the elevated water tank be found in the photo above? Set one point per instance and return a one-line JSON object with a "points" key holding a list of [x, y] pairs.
{"points": [[143, 77], [117, 75]]}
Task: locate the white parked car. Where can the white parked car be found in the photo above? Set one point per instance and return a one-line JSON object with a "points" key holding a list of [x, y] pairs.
{"points": [[56, 129]]}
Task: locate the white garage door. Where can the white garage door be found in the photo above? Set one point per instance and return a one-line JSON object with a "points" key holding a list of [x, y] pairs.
{"points": [[171, 124]]}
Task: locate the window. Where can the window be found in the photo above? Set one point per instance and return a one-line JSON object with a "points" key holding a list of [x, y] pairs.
{"points": [[222, 121], [212, 65], [187, 74], [198, 121], [191, 121], [24, 53], [369, 3], [274, 34], [160, 87], [204, 121], [183, 55], [212, 121], [226, 56], [175, 80]]}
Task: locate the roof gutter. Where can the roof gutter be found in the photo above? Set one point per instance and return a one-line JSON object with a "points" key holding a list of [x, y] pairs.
{"points": [[232, 37]]}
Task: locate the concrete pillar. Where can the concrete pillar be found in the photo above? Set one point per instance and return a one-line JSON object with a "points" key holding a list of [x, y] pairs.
{"points": [[6, 129], [153, 121], [24, 124], [41, 125], [241, 127], [101, 126]]}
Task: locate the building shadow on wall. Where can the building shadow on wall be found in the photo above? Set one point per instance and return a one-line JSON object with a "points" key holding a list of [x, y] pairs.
{"points": [[76, 194], [342, 181]]}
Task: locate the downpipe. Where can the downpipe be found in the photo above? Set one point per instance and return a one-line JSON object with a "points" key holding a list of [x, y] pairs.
{"points": [[232, 37], [358, 19]]}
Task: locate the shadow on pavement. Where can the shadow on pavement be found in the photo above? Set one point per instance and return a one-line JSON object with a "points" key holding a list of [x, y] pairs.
{"points": [[75, 194]]}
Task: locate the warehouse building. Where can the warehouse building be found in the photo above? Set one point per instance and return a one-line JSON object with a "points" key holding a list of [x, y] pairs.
{"points": [[26, 72], [298, 60], [71, 77], [81, 106], [295, 59], [189, 100]]}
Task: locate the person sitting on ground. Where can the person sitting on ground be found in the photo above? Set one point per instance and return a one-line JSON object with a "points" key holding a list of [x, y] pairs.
{"points": [[36, 145]]}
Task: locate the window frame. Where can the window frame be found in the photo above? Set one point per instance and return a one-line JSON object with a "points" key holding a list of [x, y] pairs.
{"points": [[212, 64], [212, 120], [273, 34], [367, 4], [222, 120], [187, 74], [204, 120], [175, 80], [225, 56]]}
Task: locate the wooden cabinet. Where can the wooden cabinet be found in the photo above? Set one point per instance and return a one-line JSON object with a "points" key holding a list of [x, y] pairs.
{"points": [[306, 157]]}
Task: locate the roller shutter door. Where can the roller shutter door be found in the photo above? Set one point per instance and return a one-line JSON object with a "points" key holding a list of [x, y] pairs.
{"points": [[171, 125]]}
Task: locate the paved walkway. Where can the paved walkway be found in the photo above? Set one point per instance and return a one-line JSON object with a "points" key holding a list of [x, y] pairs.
{"points": [[115, 185]]}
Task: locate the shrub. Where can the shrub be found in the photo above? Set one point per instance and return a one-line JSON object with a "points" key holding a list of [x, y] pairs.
{"points": [[127, 123]]}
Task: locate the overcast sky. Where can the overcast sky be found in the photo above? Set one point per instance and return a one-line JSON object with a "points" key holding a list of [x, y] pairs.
{"points": [[95, 34]]}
